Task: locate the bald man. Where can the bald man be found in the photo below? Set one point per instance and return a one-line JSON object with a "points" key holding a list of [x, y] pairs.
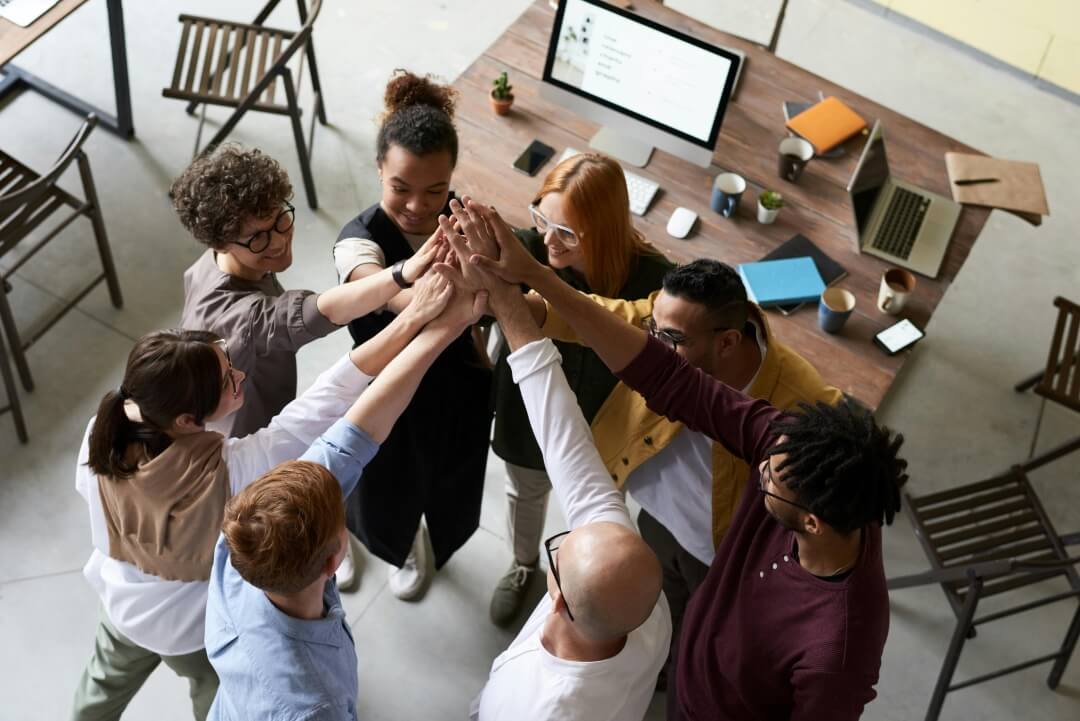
{"points": [[594, 645]]}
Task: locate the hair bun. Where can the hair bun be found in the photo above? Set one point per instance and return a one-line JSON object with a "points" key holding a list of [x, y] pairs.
{"points": [[406, 89]]}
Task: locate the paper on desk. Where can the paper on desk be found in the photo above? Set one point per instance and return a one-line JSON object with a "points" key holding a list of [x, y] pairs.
{"points": [[1019, 188]]}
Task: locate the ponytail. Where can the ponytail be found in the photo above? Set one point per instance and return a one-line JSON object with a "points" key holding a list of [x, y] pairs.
{"points": [[169, 373]]}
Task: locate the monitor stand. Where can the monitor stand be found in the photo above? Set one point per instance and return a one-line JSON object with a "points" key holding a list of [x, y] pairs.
{"points": [[622, 147]]}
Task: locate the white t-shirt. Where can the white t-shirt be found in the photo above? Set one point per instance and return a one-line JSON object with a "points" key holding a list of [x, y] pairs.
{"points": [[526, 681], [167, 617], [675, 488], [675, 485]]}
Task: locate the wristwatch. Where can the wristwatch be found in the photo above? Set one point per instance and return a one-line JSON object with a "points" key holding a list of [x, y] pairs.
{"points": [[399, 277]]}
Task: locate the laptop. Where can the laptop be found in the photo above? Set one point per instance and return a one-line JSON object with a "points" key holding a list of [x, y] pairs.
{"points": [[897, 221]]}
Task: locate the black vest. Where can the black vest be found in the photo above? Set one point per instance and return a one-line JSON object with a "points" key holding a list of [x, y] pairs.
{"points": [[433, 462]]}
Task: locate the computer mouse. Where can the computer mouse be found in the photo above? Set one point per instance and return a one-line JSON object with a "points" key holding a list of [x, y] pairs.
{"points": [[681, 222]]}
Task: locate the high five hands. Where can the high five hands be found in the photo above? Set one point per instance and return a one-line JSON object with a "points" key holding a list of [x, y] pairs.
{"points": [[485, 254]]}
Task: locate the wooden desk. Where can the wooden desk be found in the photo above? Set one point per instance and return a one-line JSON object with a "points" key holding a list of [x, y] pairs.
{"points": [[14, 39], [818, 206]]}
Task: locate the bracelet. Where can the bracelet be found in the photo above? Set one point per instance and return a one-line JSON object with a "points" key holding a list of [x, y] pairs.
{"points": [[399, 277]]}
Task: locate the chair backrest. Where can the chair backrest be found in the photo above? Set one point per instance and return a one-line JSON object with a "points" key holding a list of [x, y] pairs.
{"points": [[300, 38], [1061, 379], [27, 195]]}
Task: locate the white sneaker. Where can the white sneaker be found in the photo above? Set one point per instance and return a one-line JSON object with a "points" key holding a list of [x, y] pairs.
{"points": [[410, 581], [348, 573]]}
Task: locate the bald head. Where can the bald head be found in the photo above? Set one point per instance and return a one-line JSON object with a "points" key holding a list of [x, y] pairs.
{"points": [[610, 579]]}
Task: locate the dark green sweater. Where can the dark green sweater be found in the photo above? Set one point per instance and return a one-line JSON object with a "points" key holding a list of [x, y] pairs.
{"points": [[587, 375]]}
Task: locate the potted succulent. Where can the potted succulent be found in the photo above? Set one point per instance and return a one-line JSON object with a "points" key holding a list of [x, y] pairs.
{"points": [[501, 97], [769, 204]]}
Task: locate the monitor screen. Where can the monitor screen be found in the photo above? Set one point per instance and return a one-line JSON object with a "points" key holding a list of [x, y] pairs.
{"points": [[654, 74], [869, 178]]}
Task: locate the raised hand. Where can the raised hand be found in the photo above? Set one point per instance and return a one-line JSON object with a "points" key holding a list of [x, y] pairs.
{"points": [[431, 294], [464, 309], [514, 264], [478, 234], [433, 251]]}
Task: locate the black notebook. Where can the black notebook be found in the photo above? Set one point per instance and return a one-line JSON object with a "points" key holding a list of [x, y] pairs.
{"points": [[799, 246]]}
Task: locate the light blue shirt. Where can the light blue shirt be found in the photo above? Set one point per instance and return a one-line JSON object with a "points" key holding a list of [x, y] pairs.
{"points": [[271, 665]]}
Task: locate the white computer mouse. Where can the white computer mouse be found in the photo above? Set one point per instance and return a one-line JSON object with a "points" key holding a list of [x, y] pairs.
{"points": [[681, 222]]}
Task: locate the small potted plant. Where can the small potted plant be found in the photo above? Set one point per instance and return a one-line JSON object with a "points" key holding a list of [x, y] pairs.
{"points": [[501, 97], [768, 207]]}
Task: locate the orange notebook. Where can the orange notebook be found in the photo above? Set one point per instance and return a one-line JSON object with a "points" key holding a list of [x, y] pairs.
{"points": [[827, 124]]}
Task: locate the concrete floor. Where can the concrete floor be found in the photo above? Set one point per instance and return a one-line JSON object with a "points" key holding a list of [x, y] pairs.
{"points": [[954, 401]]}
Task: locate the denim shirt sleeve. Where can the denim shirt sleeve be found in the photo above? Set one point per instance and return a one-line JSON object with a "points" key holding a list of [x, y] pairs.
{"points": [[344, 450]]}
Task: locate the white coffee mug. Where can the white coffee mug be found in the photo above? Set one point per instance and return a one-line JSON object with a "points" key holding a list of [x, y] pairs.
{"points": [[896, 287]]}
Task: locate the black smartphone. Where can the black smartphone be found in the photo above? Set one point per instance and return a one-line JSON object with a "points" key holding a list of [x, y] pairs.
{"points": [[534, 157], [898, 336]]}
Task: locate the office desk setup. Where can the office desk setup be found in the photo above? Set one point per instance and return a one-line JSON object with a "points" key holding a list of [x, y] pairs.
{"points": [[818, 206], [14, 39]]}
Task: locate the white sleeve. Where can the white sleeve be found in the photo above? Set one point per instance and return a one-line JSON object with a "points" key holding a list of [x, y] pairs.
{"points": [[351, 252], [292, 431], [578, 476], [86, 483]]}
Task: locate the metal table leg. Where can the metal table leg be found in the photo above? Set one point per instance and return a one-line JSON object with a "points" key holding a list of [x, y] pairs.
{"points": [[15, 78]]}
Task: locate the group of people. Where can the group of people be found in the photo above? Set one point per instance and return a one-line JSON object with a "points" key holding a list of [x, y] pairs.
{"points": [[224, 507]]}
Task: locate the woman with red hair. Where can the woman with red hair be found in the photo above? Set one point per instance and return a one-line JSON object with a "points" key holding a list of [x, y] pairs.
{"points": [[582, 229]]}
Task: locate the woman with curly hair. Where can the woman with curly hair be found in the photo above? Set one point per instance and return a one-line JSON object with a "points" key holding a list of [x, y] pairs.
{"points": [[432, 465], [236, 201]]}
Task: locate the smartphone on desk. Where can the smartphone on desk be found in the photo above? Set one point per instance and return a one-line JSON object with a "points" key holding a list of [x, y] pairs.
{"points": [[898, 337], [534, 157]]}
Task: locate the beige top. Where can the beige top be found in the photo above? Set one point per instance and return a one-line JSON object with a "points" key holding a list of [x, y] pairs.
{"points": [[165, 519]]}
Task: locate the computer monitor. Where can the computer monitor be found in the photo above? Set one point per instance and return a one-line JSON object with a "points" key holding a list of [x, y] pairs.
{"points": [[647, 84]]}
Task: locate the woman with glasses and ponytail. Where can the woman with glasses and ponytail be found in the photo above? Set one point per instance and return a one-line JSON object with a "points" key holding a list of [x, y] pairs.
{"points": [[157, 479], [582, 229]]}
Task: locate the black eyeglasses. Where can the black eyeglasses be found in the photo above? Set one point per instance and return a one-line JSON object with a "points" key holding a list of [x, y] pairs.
{"points": [[672, 339], [548, 546], [261, 240], [761, 487], [230, 371]]}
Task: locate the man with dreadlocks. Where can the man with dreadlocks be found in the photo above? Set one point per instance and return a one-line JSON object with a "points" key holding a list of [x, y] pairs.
{"points": [[791, 620]]}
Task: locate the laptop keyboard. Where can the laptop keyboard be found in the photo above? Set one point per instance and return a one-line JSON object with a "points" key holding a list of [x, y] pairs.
{"points": [[900, 226]]}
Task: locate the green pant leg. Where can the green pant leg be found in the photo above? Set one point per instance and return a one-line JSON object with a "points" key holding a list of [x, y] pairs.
{"points": [[115, 673], [196, 668]]}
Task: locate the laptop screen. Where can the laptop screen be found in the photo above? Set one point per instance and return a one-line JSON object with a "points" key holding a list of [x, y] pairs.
{"points": [[869, 178]]}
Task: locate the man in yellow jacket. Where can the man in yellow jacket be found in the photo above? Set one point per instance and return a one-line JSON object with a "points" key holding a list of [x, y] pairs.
{"points": [[687, 485]]}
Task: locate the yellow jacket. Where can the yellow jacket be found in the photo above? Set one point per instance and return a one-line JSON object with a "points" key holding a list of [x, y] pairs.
{"points": [[627, 433]]}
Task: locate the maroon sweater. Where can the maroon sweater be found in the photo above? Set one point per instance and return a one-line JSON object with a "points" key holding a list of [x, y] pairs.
{"points": [[762, 637]]}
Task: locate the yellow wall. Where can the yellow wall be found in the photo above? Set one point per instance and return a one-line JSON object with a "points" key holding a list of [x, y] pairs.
{"points": [[1040, 37]]}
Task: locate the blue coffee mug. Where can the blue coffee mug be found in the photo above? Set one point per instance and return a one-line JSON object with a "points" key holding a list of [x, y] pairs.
{"points": [[834, 309], [727, 189]]}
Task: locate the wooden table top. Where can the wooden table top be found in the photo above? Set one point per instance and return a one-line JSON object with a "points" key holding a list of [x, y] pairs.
{"points": [[15, 38], [818, 206]]}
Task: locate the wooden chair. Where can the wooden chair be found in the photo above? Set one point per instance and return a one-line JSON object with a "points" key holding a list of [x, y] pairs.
{"points": [[1060, 380], [26, 201], [985, 539], [242, 65]]}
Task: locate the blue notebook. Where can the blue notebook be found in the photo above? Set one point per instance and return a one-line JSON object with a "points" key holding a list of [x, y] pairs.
{"points": [[780, 282]]}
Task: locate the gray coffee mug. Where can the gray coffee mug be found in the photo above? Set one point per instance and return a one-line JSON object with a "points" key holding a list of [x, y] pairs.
{"points": [[727, 189]]}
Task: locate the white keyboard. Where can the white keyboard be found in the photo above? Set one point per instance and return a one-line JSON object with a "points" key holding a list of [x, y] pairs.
{"points": [[640, 189]]}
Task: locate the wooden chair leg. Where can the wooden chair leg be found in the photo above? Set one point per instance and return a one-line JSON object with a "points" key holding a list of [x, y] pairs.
{"points": [[956, 645], [12, 331], [298, 134], [1038, 426], [1029, 382], [1067, 648], [14, 404], [100, 237]]}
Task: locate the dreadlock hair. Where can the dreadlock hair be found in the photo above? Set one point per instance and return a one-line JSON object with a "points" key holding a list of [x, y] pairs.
{"points": [[841, 464]]}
